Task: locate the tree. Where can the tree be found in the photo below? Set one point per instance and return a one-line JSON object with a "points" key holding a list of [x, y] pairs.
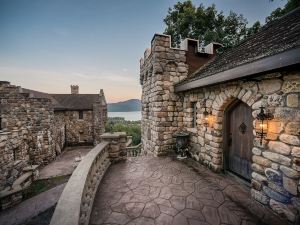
{"points": [[289, 6], [254, 29], [185, 20]]}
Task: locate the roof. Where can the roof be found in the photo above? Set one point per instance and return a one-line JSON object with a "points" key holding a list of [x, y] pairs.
{"points": [[69, 101], [74, 101], [276, 37]]}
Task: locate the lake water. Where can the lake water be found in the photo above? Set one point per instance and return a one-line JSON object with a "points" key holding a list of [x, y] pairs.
{"points": [[131, 116]]}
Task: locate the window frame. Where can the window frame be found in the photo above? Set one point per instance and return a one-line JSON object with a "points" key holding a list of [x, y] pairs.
{"points": [[194, 115], [80, 115]]}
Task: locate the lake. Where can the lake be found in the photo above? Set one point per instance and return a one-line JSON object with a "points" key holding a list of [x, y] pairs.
{"points": [[131, 116]]}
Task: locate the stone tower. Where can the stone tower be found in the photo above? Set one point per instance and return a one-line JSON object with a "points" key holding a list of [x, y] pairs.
{"points": [[162, 110]]}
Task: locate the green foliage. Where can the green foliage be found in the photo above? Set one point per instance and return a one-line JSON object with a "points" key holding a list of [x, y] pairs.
{"points": [[39, 186], [132, 128], [289, 6], [254, 29], [185, 20]]}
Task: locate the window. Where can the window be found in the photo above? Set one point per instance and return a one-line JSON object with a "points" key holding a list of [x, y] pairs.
{"points": [[194, 107], [149, 134], [80, 115], [81, 137], [0, 123], [15, 154]]}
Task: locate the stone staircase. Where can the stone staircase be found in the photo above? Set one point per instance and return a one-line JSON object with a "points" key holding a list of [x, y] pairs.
{"points": [[13, 195]]}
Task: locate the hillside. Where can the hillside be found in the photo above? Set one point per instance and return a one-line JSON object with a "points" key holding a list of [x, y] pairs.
{"points": [[126, 106]]}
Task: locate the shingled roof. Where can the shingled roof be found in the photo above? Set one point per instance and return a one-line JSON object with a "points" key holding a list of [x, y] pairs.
{"points": [[276, 37], [69, 101], [74, 101]]}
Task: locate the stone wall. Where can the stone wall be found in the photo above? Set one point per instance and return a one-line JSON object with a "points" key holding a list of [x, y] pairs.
{"points": [[275, 164], [26, 136], [59, 132], [32, 132], [117, 145], [72, 130], [78, 131], [11, 164], [162, 115], [99, 117]]}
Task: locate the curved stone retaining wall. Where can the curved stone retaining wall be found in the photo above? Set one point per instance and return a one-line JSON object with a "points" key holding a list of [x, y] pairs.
{"points": [[75, 204]]}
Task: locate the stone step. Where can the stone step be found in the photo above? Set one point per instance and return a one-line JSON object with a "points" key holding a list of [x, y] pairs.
{"points": [[12, 191], [22, 179], [30, 168]]}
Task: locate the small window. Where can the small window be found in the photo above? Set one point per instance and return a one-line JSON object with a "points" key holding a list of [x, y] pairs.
{"points": [[0, 123], [149, 134], [81, 136], [80, 115], [194, 124], [15, 154]]}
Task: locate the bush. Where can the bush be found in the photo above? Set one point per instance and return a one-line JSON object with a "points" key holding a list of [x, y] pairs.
{"points": [[132, 128]]}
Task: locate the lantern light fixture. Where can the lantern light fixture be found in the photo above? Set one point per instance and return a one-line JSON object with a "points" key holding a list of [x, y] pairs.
{"points": [[261, 126], [206, 116]]}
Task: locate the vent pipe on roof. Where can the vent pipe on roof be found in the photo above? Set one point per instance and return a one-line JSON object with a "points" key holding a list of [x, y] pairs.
{"points": [[74, 89]]}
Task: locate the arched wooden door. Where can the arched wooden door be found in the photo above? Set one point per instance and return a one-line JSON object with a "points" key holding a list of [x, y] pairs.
{"points": [[239, 140]]}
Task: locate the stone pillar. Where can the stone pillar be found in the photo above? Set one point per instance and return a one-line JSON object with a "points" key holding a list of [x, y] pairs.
{"points": [[117, 145]]}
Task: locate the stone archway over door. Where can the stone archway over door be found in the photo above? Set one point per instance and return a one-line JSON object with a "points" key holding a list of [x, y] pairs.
{"points": [[239, 140]]}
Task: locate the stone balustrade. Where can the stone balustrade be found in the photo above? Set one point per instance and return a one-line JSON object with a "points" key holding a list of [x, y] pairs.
{"points": [[75, 204], [133, 151], [117, 145]]}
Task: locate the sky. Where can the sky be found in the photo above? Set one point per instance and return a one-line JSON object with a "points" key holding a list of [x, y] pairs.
{"points": [[47, 45]]}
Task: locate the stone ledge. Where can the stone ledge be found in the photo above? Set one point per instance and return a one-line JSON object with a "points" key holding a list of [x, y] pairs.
{"points": [[30, 168], [114, 135], [22, 179], [6, 193], [74, 205]]}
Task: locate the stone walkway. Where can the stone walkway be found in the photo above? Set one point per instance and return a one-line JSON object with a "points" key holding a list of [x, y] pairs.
{"points": [[65, 163], [32, 207], [163, 191]]}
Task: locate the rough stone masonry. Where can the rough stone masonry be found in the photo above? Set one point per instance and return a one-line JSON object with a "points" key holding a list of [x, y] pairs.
{"points": [[275, 163], [34, 129]]}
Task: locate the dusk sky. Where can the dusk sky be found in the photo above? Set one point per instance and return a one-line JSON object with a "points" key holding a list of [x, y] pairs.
{"points": [[47, 45]]}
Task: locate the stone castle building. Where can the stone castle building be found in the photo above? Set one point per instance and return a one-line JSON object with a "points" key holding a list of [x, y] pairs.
{"points": [[36, 126], [180, 84]]}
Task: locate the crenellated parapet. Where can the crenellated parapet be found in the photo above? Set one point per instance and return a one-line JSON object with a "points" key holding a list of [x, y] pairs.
{"points": [[161, 67]]}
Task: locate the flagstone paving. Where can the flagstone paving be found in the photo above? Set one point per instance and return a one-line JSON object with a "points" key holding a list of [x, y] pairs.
{"points": [[164, 191]]}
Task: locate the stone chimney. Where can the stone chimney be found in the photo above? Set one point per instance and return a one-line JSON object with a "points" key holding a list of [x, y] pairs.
{"points": [[74, 89]]}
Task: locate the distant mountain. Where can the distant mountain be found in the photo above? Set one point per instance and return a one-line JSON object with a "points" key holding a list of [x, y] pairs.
{"points": [[126, 106]]}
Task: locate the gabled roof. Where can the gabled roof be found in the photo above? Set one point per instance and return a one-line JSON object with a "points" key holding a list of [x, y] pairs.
{"points": [[74, 101], [69, 101], [277, 37]]}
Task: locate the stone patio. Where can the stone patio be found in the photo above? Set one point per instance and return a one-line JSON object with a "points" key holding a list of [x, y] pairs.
{"points": [[164, 191], [65, 163]]}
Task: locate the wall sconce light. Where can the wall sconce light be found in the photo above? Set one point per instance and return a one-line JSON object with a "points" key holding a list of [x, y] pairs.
{"points": [[261, 126], [206, 116]]}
